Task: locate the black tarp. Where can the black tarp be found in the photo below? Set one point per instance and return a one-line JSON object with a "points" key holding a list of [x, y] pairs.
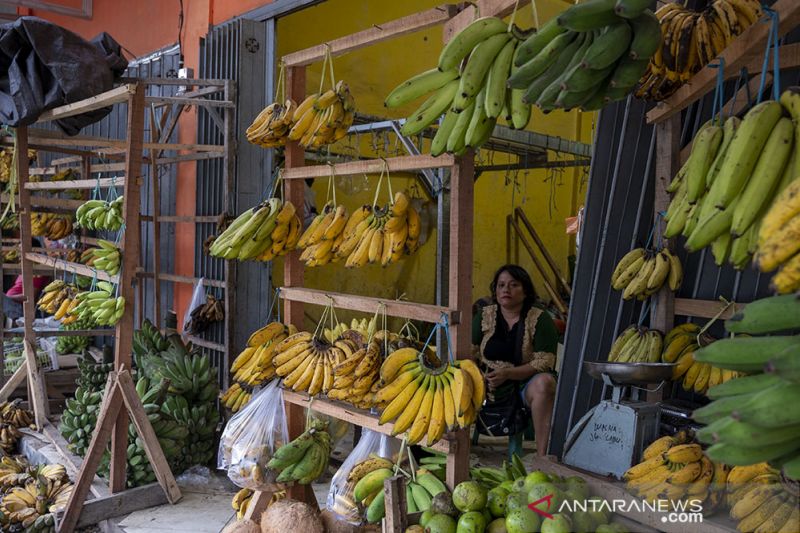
{"points": [[43, 66]]}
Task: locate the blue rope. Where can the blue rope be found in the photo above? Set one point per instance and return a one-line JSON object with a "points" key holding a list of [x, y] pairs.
{"points": [[772, 41], [719, 89], [447, 334]]}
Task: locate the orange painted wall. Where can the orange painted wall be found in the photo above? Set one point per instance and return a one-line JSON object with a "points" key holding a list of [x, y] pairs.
{"points": [[142, 27]]}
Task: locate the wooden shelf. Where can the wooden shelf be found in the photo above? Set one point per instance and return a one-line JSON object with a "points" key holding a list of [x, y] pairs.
{"points": [[56, 204], [197, 341], [366, 304], [114, 96], [350, 414], [75, 184], [704, 308], [67, 266], [378, 32], [181, 279], [108, 332], [736, 55], [406, 163]]}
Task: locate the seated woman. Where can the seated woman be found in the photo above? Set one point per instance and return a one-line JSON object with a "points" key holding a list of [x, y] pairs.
{"points": [[515, 343]]}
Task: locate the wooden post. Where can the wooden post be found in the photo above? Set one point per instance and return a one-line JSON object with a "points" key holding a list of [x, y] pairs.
{"points": [[156, 212], [396, 505], [36, 388], [130, 260]]}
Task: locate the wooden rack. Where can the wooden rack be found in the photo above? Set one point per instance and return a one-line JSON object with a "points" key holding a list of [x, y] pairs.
{"points": [[456, 444]]}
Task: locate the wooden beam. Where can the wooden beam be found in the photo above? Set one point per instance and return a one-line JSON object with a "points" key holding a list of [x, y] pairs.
{"points": [[199, 219], [68, 266], [58, 204], [704, 308], [181, 279], [366, 304], [396, 506], [51, 139], [114, 96], [206, 344], [108, 332], [75, 184], [486, 8], [350, 414], [377, 33], [15, 380], [144, 429], [257, 505], [113, 505], [736, 55], [370, 166], [203, 102], [71, 461]]}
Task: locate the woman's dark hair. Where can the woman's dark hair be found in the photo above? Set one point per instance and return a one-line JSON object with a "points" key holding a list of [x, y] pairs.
{"points": [[519, 274]]}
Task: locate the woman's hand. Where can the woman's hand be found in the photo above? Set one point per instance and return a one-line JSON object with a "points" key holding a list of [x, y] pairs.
{"points": [[497, 377]]}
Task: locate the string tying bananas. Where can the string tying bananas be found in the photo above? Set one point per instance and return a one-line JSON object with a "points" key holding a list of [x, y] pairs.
{"points": [[749, 420], [107, 257], [100, 215], [691, 41], [641, 273], [425, 398], [636, 344], [323, 118], [99, 306], [270, 128], [262, 233]]}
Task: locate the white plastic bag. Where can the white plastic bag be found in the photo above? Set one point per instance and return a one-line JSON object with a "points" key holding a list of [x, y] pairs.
{"points": [[340, 496], [251, 436], [198, 299]]}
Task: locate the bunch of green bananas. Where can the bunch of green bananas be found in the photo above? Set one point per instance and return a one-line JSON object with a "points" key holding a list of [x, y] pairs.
{"points": [[305, 458], [80, 418], [99, 306], [636, 344], [148, 340], [751, 419], [76, 343], [100, 214], [734, 173], [270, 229], [693, 39], [106, 257], [641, 273], [200, 421], [593, 53], [93, 375], [473, 98], [760, 501]]}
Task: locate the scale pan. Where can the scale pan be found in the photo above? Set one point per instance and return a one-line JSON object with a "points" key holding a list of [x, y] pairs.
{"points": [[630, 373]]}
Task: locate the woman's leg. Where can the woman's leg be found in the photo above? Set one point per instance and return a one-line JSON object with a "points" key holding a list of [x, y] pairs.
{"points": [[540, 394]]}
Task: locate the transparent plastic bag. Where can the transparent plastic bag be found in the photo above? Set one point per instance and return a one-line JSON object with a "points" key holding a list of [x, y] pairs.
{"points": [[198, 299], [251, 436], [340, 500]]}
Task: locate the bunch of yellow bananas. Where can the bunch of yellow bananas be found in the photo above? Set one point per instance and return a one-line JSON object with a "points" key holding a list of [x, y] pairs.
{"points": [[760, 502], [235, 397], [691, 40], [356, 378], [381, 235], [637, 344], [779, 240], [241, 500], [14, 471], [641, 273], [271, 127], [306, 362], [11, 256], [59, 299], [32, 505], [9, 436], [9, 222], [344, 503], [323, 118], [270, 229], [324, 236], [365, 327], [50, 225], [7, 162], [672, 469], [679, 347], [428, 400], [11, 413]]}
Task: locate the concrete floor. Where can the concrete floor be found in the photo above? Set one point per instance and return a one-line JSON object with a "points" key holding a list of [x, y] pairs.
{"points": [[207, 509]]}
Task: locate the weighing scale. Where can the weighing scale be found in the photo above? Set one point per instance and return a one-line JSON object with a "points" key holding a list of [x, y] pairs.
{"points": [[609, 439]]}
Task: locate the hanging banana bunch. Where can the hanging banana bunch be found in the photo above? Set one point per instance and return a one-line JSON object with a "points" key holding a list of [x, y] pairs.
{"points": [[325, 234], [641, 273], [692, 40], [270, 128]]}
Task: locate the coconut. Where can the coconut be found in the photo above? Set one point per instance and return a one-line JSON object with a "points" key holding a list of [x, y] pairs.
{"points": [[334, 525], [291, 515], [242, 526]]}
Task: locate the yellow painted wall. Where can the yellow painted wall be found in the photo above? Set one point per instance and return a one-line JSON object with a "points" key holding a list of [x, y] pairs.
{"points": [[546, 197]]}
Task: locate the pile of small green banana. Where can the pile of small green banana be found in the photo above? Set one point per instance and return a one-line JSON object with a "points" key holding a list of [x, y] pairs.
{"points": [[106, 257], [267, 230], [751, 419], [593, 53], [474, 97], [100, 215], [778, 240], [731, 178], [80, 414], [73, 343], [305, 458], [636, 344], [641, 273], [761, 501], [99, 306], [200, 424]]}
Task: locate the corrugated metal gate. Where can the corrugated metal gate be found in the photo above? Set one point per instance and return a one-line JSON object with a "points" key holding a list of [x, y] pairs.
{"points": [[619, 217]]}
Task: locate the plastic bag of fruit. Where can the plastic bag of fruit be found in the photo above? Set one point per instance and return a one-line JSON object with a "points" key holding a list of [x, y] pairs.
{"points": [[373, 456], [251, 436]]}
